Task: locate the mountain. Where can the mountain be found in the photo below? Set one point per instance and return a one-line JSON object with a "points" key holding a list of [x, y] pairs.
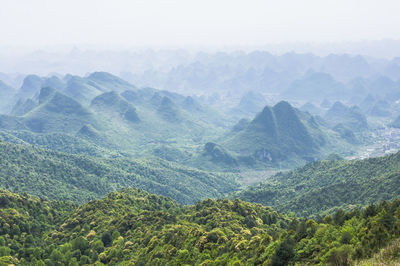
{"points": [[22, 107], [315, 86], [381, 109], [346, 133], [311, 108], [113, 102], [57, 113], [6, 95], [79, 89], [30, 87], [395, 123], [108, 82], [79, 178], [54, 112], [168, 110], [135, 122], [325, 104], [324, 186], [351, 117], [191, 105], [385, 87], [277, 134], [367, 103], [250, 104], [373, 106], [134, 227]]}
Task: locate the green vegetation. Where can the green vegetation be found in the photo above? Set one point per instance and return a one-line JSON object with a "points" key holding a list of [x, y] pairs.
{"points": [[103, 115], [112, 102], [324, 186], [135, 227], [79, 178], [350, 117], [80, 144], [279, 133]]}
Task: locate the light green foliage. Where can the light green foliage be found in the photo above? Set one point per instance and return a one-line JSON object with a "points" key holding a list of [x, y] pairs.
{"points": [[322, 187], [81, 178], [133, 226]]}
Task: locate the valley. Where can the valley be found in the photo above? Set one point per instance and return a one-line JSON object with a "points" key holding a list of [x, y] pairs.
{"points": [[186, 157]]}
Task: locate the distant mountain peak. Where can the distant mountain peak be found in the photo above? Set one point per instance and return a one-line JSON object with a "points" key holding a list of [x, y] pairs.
{"points": [[45, 94]]}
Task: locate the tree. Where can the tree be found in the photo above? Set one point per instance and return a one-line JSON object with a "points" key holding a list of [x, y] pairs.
{"points": [[80, 244], [107, 239], [284, 253]]}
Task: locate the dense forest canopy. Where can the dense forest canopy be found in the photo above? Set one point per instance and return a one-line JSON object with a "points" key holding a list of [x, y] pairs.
{"points": [[133, 226]]}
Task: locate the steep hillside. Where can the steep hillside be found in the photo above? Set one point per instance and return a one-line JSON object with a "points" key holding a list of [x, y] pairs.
{"points": [[57, 113], [276, 134], [322, 187], [250, 104], [315, 86], [113, 103], [23, 106], [351, 117], [6, 96], [168, 111], [108, 82], [81, 178]]}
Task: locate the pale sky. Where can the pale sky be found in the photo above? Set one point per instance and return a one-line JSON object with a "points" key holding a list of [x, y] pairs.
{"points": [[201, 22]]}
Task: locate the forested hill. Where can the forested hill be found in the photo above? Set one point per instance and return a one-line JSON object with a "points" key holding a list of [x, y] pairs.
{"points": [[277, 134], [324, 186], [137, 228], [79, 178]]}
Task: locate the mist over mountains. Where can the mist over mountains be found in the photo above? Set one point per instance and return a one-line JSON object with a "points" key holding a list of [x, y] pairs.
{"points": [[273, 132], [205, 133]]}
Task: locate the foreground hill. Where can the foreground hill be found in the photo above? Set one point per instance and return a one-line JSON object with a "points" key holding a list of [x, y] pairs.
{"points": [[79, 178], [322, 187], [138, 228]]}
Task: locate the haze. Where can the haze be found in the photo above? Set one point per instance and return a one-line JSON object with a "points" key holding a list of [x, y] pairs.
{"points": [[194, 23]]}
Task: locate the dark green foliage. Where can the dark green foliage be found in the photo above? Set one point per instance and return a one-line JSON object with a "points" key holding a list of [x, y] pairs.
{"points": [[81, 178], [218, 154], [322, 187], [284, 253], [106, 239]]}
